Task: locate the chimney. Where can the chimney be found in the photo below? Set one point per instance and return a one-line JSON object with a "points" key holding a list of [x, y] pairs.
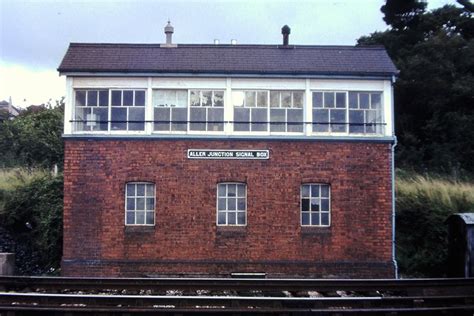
{"points": [[285, 30], [169, 30]]}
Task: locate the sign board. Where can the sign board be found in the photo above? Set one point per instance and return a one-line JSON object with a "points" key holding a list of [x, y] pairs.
{"points": [[228, 154]]}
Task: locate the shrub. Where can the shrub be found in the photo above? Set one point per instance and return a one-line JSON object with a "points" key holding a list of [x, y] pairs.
{"points": [[32, 213], [423, 204]]}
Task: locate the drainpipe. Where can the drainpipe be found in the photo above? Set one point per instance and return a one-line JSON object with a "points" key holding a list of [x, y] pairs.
{"points": [[394, 144]]}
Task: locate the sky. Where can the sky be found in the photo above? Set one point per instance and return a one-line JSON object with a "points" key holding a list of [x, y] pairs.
{"points": [[34, 34]]}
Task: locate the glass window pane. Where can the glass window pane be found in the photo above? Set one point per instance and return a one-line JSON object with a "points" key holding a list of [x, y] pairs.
{"points": [[215, 119], [259, 119], [139, 98], [298, 100], [221, 204], [238, 98], [140, 189], [315, 204], [181, 98], [328, 99], [150, 204], [356, 120], [241, 190], [194, 98], [231, 204], [305, 219], [206, 98], [103, 98], [80, 98], [314, 190], [241, 218], [162, 118], [314, 218], [353, 104], [295, 116], [305, 190], [250, 99], [150, 190], [317, 99], [137, 115], [221, 218], [119, 118], [320, 119], [324, 190], [262, 99], [130, 204], [324, 218], [231, 190], [130, 189], [305, 205], [116, 97], [130, 218], [241, 204], [277, 120], [92, 98], [364, 100], [101, 116], [140, 218], [221, 190], [340, 100], [371, 120], [241, 115], [325, 205], [338, 120], [150, 218], [179, 115], [219, 98], [285, 99], [140, 203], [198, 115], [231, 218], [376, 100], [274, 99], [127, 97]]}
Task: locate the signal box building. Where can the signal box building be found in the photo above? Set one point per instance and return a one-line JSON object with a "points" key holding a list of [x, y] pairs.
{"points": [[218, 159]]}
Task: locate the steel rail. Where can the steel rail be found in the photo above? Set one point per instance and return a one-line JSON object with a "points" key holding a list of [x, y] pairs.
{"points": [[410, 286]]}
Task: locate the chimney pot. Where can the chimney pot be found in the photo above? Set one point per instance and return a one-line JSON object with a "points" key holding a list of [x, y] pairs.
{"points": [[285, 30]]}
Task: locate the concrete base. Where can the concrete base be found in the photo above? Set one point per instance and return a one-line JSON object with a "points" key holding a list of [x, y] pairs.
{"points": [[7, 263]]}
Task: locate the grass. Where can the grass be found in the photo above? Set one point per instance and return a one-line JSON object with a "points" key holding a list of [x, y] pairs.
{"points": [[12, 178]]}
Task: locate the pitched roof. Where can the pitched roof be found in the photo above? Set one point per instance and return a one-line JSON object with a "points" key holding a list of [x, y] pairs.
{"points": [[228, 59]]}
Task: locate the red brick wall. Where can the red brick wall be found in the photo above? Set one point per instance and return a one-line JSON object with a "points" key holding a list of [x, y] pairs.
{"points": [[186, 239]]}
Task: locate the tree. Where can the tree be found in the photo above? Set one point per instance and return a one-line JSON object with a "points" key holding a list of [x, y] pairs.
{"points": [[434, 94], [34, 137]]}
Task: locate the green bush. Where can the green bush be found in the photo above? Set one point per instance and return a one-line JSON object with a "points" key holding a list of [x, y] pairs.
{"points": [[32, 212], [423, 204]]}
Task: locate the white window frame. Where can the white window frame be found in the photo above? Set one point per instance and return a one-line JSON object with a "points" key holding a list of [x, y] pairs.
{"points": [[145, 209], [330, 132], [319, 212], [303, 108], [226, 211], [127, 131], [267, 108], [379, 129], [170, 131], [75, 107], [223, 107]]}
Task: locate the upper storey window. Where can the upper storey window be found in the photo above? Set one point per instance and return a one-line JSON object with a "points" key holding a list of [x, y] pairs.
{"points": [[330, 112], [206, 110], [286, 111], [128, 110], [170, 110], [365, 112], [91, 111], [250, 111]]}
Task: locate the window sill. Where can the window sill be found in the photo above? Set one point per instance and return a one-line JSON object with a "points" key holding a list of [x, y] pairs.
{"points": [[139, 229], [233, 231], [315, 230]]}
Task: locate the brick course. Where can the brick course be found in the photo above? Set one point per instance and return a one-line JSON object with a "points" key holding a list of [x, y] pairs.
{"points": [[186, 240]]}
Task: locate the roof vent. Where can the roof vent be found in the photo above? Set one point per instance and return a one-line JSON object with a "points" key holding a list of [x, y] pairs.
{"points": [[216, 42], [233, 42], [285, 30], [169, 30]]}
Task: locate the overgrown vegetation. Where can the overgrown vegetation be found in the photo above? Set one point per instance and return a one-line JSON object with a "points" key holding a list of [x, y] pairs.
{"points": [[423, 205], [31, 212]]}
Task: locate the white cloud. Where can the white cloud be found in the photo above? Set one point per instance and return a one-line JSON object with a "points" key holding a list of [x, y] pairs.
{"points": [[27, 86]]}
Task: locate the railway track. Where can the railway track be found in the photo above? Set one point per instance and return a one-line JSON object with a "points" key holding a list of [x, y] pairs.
{"points": [[116, 296]]}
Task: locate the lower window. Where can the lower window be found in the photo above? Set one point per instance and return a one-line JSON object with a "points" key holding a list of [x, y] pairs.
{"points": [[231, 204], [140, 203], [315, 204]]}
